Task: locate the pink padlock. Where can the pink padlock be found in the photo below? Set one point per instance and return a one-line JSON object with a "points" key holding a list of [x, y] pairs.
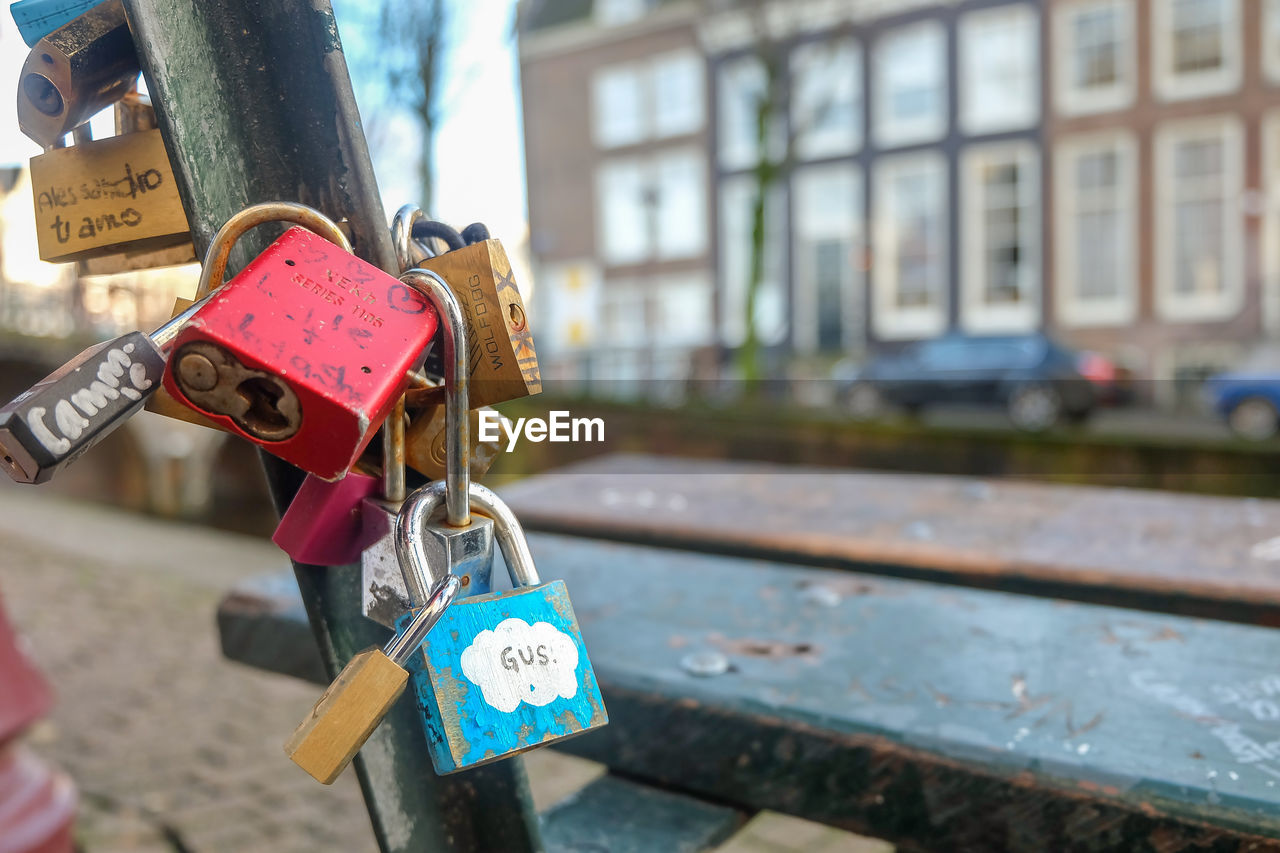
{"points": [[323, 525]]}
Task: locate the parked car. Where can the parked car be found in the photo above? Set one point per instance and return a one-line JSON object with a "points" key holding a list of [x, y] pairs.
{"points": [[1249, 396], [1035, 379]]}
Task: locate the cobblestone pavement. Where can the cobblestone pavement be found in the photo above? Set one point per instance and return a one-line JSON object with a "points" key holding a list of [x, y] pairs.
{"points": [[172, 747]]}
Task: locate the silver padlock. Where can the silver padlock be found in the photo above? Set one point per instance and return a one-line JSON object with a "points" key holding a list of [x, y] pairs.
{"points": [[457, 542]]}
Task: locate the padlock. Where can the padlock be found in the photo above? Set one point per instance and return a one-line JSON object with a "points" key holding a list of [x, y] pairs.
{"points": [[462, 543], [75, 72], [107, 197], [323, 524], [502, 672], [303, 353], [69, 411], [162, 403], [362, 694], [426, 442], [500, 352]]}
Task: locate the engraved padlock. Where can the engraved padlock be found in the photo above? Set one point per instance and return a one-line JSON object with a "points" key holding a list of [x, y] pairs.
{"points": [[304, 353], [323, 525], [504, 672], [363, 693], [52, 423], [459, 541]]}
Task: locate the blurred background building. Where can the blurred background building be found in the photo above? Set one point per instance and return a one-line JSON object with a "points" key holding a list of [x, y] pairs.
{"points": [[1107, 171]]}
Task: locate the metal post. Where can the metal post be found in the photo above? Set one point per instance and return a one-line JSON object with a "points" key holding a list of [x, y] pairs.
{"points": [[255, 104]]}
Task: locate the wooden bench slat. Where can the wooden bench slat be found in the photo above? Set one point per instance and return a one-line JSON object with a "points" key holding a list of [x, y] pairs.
{"points": [[626, 817], [927, 714], [1174, 553]]}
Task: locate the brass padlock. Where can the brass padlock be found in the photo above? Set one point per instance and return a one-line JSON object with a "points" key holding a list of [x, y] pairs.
{"points": [[500, 353], [111, 196], [426, 441], [162, 402]]}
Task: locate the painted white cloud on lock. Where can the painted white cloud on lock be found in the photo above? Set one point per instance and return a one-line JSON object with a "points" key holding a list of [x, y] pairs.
{"points": [[518, 662]]}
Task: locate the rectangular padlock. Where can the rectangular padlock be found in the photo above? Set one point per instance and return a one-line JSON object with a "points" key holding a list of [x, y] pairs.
{"points": [[161, 402], [303, 353], [503, 362], [425, 443], [505, 672]]}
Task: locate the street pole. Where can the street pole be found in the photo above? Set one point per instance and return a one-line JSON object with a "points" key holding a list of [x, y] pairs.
{"points": [[254, 102]]}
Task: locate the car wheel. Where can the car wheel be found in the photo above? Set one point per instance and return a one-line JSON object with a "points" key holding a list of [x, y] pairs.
{"points": [[863, 402], [1254, 418], [1035, 407]]}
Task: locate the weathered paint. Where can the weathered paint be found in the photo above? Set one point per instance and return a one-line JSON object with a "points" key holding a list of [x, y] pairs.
{"points": [[464, 727]]}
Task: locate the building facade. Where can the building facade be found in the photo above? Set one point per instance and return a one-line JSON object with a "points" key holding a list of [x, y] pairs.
{"points": [[1102, 169]]}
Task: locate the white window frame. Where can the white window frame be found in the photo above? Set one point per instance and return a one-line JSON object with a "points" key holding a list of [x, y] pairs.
{"points": [[972, 119], [771, 310], [889, 321], [697, 103], [676, 325], [607, 253], [813, 146], [1271, 221], [1230, 300], [975, 314], [853, 282], [891, 133], [1069, 309], [1170, 86], [654, 246], [1270, 41], [1071, 100], [735, 153]]}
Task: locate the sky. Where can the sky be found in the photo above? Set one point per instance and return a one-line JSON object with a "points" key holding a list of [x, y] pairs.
{"points": [[479, 152]]}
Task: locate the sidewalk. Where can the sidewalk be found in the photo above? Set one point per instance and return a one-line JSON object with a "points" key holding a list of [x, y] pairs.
{"points": [[172, 747]]}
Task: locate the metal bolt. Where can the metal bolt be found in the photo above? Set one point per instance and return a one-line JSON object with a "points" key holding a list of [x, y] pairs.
{"points": [[197, 372], [705, 664]]}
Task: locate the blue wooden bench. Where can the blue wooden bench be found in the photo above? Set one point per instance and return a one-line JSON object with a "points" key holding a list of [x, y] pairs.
{"points": [[932, 715]]}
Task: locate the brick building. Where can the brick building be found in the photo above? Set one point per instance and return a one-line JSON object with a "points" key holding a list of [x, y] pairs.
{"points": [[1097, 168]]}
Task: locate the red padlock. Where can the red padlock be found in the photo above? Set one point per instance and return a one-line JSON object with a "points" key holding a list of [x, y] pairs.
{"points": [[304, 352]]}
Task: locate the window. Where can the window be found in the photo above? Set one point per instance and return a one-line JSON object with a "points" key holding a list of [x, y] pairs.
{"points": [[1271, 41], [677, 93], [623, 318], [1096, 198], [826, 115], [999, 61], [682, 311], [911, 88], [737, 202], [657, 99], [1197, 47], [1095, 40], [742, 85], [827, 258], [910, 296], [652, 208], [1001, 238], [1271, 222], [610, 13], [1198, 219]]}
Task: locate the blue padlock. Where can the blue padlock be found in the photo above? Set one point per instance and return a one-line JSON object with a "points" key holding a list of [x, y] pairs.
{"points": [[502, 672]]}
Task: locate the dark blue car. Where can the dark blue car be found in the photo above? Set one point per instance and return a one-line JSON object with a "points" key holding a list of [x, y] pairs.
{"points": [[1249, 397]]}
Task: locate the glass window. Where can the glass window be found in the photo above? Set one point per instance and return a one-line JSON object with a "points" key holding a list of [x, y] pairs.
{"points": [[677, 94], [741, 85], [623, 202], [911, 244], [999, 54], [614, 12], [737, 208], [678, 186], [1198, 215], [652, 208], [911, 94], [827, 258], [1096, 221], [1197, 47], [683, 311], [1001, 238], [826, 115], [1095, 40], [1271, 40], [618, 103]]}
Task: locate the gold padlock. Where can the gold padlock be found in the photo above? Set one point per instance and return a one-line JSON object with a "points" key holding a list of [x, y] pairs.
{"points": [[161, 402], [503, 362], [426, 442], [111, 196]]}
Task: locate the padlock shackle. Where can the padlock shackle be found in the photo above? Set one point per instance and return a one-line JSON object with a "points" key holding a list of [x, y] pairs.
{"points": [[214, 269], [409, 252], [402, 646], [457, 423], [410, 536]]}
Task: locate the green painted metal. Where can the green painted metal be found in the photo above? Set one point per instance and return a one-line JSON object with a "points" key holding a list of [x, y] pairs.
{"points": [[622, 816], [934, 716], [254, 102]]}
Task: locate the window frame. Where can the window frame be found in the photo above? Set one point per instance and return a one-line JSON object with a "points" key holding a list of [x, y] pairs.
{"points": [[970, 118], [1069, 99], [888, 320], [697, 93], [805, 146], [976, 315], [1167, 85], [887, 132], [804, 296], [1070, 310], [1270, 45], [1271, 220], [730, 324], [1171, 306]]}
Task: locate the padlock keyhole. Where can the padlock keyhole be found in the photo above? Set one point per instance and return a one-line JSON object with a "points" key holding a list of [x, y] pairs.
{"points": [[263, 395]]}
